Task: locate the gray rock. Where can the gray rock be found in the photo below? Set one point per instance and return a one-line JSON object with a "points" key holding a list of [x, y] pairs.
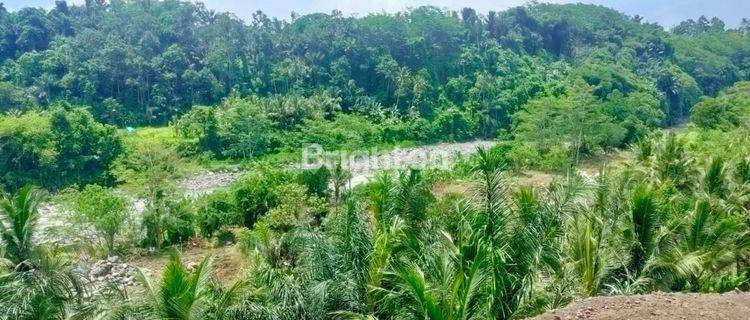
{"points": [[99, 270]]}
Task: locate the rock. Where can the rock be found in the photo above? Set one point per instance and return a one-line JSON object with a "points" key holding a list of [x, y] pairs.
{"points": [[113, 259], [99, 270]]}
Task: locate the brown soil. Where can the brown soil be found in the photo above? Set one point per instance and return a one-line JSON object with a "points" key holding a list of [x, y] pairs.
{"points": [[668, 306], [459, 187], [533, 178], [228, 262]]}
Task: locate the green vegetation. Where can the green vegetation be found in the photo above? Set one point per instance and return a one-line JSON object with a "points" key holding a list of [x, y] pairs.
{"points": [[111, 101], [102, 210], [602, 78], [56, 149], [728, 110]]}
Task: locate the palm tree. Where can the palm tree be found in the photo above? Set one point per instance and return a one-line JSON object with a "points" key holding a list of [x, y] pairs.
{"points": [[47, 291], [505, 244], [672, 162], [380, 193], [18, 225], [714, 178], [38, 284], [340, 177], [412, 195], [704, 250], [587, 254], [644, 223], [449, 286]]}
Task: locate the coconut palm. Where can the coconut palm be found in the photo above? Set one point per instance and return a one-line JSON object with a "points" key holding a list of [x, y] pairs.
{"points": [[38, 283], [714, 178], [586, 252], [672, 163], [18, 224], [46, 291], [704, 250], [644, 221]]}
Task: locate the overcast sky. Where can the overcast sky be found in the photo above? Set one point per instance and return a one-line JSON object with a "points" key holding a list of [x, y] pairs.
{"points": [[666, 12]]}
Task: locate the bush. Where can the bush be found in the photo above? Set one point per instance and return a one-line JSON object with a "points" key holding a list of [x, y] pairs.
{"points": [[557, 159], [238, 128], [316, 181], [213, 212], [169, 222], [295, 209], [394, 129], [56, 149], [103, 210], [344, 132], [712, 113], [254, 196], [201, 124], [452, 125], [179, 223], [522, 156], [225, 236], [245, 132]]}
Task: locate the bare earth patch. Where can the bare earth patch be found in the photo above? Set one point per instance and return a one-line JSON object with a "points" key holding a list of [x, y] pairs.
{"points": [[228, 261], [667, 306]]}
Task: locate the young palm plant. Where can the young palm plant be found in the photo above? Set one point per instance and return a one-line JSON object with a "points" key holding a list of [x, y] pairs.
{"points": [[18, 226], [38, 284], [644, 221], [181, 294], [586, 252], [703, 252], [672, 164], [517, 241]]}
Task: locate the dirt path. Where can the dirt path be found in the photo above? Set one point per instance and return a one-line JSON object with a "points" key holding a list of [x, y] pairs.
{"points": [[666, 306]]}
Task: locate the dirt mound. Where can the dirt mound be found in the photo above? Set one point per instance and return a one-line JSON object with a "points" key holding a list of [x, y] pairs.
{"points": [[667, 306]]}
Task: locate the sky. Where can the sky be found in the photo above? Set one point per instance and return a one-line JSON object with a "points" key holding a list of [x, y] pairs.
{"points": [[667, 13]]}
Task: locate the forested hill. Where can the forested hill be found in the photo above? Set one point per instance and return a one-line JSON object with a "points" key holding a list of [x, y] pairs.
{"points": [[556, 81], [143, 62], [617, 162]]}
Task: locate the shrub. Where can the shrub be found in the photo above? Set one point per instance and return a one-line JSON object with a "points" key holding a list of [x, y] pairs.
{"points": [[179, 223], [254, 196], [316, 181], [56, 149], [245, 132], [238, 128], [713, 113], [522, 156], [225, 236], [103, 210], [344, 132], [557, 159], [295, 209], [168, 222], [213, 212]]}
